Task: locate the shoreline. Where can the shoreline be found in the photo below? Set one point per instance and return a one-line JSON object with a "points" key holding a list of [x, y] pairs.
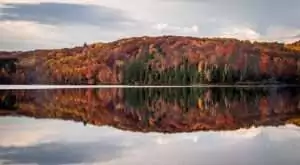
{"points": [[39, 86]]}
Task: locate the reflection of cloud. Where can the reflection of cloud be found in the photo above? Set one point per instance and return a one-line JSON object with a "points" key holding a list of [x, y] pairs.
{"points": [[242, 133], [252, 146], [42, 141], [161, 140], [21, 133], [23, 138], [76, 144], [289, 132], [193, 138], [60, 153], [175, 138], [281, 133]]}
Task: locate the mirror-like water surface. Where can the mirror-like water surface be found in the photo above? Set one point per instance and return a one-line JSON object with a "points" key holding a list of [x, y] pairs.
{"points": [[52, 142], [164, 126]]}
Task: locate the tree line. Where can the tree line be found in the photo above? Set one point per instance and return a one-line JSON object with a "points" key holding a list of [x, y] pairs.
{"points": [[139, 72]]}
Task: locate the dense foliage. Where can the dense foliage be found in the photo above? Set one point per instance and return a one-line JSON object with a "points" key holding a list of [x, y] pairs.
{"points": [[7, 68], [139, 72], [171, 60]]}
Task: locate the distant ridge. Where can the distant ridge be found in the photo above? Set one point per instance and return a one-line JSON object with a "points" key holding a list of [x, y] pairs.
{"points": [[152, 61]]}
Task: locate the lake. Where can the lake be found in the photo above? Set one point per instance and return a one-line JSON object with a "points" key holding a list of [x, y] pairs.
{"points": [[210, 125]]}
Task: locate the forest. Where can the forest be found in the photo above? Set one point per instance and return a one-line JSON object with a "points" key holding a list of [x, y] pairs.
{"points": [[164, 60], [139, 73]]}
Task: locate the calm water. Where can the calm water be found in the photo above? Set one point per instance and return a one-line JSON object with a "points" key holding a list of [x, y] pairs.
{"points": [[164, 126]]}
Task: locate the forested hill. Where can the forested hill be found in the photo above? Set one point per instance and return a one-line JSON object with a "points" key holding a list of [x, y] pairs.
{"points": [[165, 60]]}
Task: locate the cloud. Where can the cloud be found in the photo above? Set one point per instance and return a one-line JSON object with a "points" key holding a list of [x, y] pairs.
{"points": [[107, 20], [242, 33], [63, 13], [165, 28], [43, 1], [257, 15], [281, 33], [34, 25], [24, 30], [27, 35]]}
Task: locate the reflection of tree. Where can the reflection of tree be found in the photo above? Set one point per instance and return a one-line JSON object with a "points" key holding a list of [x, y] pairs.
{"points": [[162, 109], [8, 101], [189, 97]]}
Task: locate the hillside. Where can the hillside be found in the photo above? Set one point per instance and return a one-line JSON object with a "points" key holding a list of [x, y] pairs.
{"points": [[156, 61], [294, 46]]}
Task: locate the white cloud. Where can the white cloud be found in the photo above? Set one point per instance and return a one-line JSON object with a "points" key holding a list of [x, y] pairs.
{"points": [[208, 18], [16, 35], [273, 33], [160, 26], [45, 1], [243, 33], [27, 35], [194, 29], [166, 28], [25, 30], [282, 33]]}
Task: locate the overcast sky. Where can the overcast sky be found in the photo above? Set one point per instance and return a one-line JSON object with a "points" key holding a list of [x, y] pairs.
{"points": [[32, 24]]}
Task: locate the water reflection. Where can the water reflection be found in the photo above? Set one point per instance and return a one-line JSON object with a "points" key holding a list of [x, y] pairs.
{"points": [[52, 142], [159, 110]]}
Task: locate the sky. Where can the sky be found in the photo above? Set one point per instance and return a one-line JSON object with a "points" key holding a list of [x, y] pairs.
{"points": [[33, 24], [29, 141]]}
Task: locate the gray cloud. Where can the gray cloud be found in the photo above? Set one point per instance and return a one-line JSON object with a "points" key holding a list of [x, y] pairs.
{"points": [[297, 36], [60, 153], [258, 14], [93, 23], [66, 14]]}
